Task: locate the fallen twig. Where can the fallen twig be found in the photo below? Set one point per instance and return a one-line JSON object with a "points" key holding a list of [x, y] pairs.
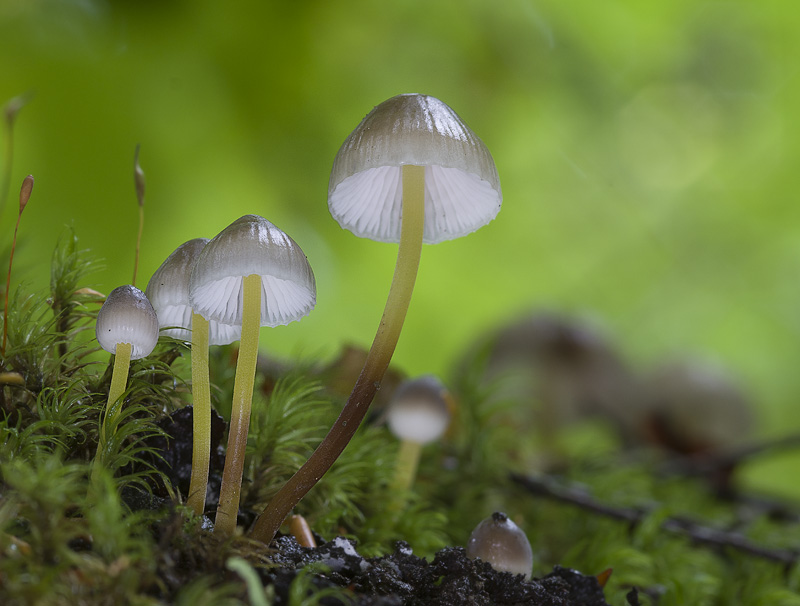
{"points": [[548, 487]]}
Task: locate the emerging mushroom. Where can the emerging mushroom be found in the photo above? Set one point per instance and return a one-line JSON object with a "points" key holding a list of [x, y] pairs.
{"points": [[503, 544], [250, 275], [168, 290], [418, 413], [127, 327], [411, 171]]}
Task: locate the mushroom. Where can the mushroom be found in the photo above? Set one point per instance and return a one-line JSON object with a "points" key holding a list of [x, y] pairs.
{"points": [[168, 291], [418, 413], [411, 171], [503, 544], [250, 275], [127, 327]]}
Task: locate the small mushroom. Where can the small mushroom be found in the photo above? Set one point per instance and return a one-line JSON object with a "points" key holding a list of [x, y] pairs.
{"points": [[503, 544], [418, 413], [127, 327], [250, 275], [411, 171], [168, 290]]}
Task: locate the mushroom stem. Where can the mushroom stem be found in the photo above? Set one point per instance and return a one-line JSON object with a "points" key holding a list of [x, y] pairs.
{"points": [[201, 415], [405, 468], [230, 491], [380, 354], [119, 380]]}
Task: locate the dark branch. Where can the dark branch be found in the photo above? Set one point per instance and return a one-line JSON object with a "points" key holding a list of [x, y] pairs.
{"points": [[547, 487]]}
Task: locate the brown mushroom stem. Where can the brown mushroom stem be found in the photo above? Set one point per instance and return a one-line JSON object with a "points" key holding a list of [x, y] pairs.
{"points": [[230, 490], [119, 380], [377, 362], [201, 416]]}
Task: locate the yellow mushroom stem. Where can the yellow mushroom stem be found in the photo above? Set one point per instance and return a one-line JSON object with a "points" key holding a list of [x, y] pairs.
{"points": [[380, 354], [243, 384], [201, 415], [119, 380], [405, 467]]}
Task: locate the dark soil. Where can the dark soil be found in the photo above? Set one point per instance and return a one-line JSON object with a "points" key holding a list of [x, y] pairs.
{"points": [[401, 578], [450, 579]]}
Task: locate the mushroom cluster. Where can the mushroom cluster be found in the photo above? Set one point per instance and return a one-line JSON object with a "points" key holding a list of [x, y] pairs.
{"points": [[411, 172], [212, 292]]}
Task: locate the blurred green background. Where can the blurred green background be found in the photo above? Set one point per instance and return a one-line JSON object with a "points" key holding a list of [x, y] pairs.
{"points": [[648, 154]]}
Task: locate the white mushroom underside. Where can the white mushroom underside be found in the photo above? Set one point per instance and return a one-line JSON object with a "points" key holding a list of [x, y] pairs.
{"points": [[282, 301], [457, 203], [417, 422], [176, 321]]}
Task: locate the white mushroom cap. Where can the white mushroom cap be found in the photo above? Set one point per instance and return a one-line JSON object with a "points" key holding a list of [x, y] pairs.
{"points": [[418, 411], [462, 189], [503, 544], [168, 291], [252, 245], [127, 317]]}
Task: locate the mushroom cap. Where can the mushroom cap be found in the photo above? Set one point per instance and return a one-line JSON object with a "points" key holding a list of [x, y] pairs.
{"points": [[419, 411], [127, 317], [252, 245], [462, 189], [503, 544], [168, 291]]}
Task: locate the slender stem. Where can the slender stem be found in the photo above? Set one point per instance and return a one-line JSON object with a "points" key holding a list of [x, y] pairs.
{"points": [[406, 466], [119, 380], [139, 183], [8, 285], [201, 415], [138, 244], [24, 196], [377, 362], [231, 488]]}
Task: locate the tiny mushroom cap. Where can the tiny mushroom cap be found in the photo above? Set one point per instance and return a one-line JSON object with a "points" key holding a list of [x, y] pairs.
{"points": [[252, 245], [462, 189], [168, 291], [127, 317], [419, 410], [503, 544]]}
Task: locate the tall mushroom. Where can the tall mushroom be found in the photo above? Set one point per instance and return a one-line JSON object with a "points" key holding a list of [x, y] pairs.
{"points": [[127, 327], [411, 172], [168, 291], [250, 275]]}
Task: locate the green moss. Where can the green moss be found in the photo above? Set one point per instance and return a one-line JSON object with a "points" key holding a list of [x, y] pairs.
{"points": [[60, 539]]}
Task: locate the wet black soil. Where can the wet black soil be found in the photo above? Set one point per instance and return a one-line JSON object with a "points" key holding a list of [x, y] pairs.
{"points": [[450, 579], [399, 578]]}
